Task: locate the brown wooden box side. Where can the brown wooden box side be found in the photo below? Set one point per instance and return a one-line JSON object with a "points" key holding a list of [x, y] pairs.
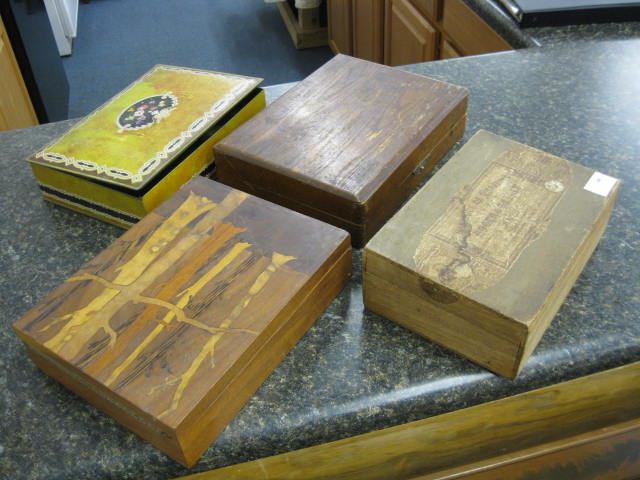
{"points": [[212, 416], [471, 330], [233, 170], [303, 182]]}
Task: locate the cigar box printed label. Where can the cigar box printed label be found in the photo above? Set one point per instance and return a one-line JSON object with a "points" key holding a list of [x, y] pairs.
{"points": [[491, 221]]}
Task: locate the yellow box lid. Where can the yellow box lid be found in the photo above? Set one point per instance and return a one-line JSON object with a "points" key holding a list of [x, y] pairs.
{"points": [[130, 138]]}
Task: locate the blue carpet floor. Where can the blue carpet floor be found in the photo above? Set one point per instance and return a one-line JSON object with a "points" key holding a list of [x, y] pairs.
{"points": [[118, 40]]}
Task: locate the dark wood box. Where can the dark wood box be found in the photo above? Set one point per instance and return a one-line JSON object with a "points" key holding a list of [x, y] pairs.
{"points": [[173, 327], [482, 257], [346, 145]]}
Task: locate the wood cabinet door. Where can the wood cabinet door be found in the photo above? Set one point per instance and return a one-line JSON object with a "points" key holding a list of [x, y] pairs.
{"points": [[409, 37], [340, 19], [368, 29], [16, 110], [448, 51], [428, 8]]}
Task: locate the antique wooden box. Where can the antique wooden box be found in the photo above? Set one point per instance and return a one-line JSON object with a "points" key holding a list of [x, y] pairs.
{"points": [[482, 257], [347, 144], [174, 326], [132, 153]]}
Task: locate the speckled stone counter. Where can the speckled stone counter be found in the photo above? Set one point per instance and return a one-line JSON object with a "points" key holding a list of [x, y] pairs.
{"points": [[549, 36], [353, 372], [495, 16]]}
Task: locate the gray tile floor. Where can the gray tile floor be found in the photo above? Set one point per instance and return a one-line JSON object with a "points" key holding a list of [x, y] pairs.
{"points": [[118, 40]]}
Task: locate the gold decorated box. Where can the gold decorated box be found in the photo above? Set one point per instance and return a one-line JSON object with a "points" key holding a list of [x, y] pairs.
{"points": [[136, 150]]}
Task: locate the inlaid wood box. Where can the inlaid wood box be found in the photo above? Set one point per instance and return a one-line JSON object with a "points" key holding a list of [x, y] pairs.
{"points": [[136, 150], [173, 327], [482, 257], [347, 145]]}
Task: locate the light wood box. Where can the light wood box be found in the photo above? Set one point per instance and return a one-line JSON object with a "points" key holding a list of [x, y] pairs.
{"points": [[482, 257]]}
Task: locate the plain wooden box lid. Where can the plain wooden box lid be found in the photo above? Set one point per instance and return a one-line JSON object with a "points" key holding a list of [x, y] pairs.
{"points": [[499, 234], [156, 328]]}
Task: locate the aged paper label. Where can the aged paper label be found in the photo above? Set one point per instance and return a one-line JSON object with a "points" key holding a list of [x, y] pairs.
{"points": [[489, 222]]}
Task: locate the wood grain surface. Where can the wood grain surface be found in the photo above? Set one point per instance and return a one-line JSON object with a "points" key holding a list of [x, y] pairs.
{"points": [[409, 37], [582, 428], [368, 29], [336, 139], [181, 319], [485, 253], [608, 453]]}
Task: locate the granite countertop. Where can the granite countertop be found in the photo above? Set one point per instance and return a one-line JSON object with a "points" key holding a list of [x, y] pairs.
{"points": [[354, 371], [495, 16]]}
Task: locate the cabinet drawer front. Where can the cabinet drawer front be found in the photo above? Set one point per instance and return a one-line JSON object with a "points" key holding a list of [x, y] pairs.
{"points": [[470, 34], [428, 8]]}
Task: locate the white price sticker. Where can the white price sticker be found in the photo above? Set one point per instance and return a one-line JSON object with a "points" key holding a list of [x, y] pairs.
{"points": [[600, 184]]}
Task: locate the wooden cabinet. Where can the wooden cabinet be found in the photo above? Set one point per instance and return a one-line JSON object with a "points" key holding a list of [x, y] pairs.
{"points": [[468, 31], [398, 32], [448, 51], [409, 37], [368, 28], [428, 8], [16, 110], [340, 18]]}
